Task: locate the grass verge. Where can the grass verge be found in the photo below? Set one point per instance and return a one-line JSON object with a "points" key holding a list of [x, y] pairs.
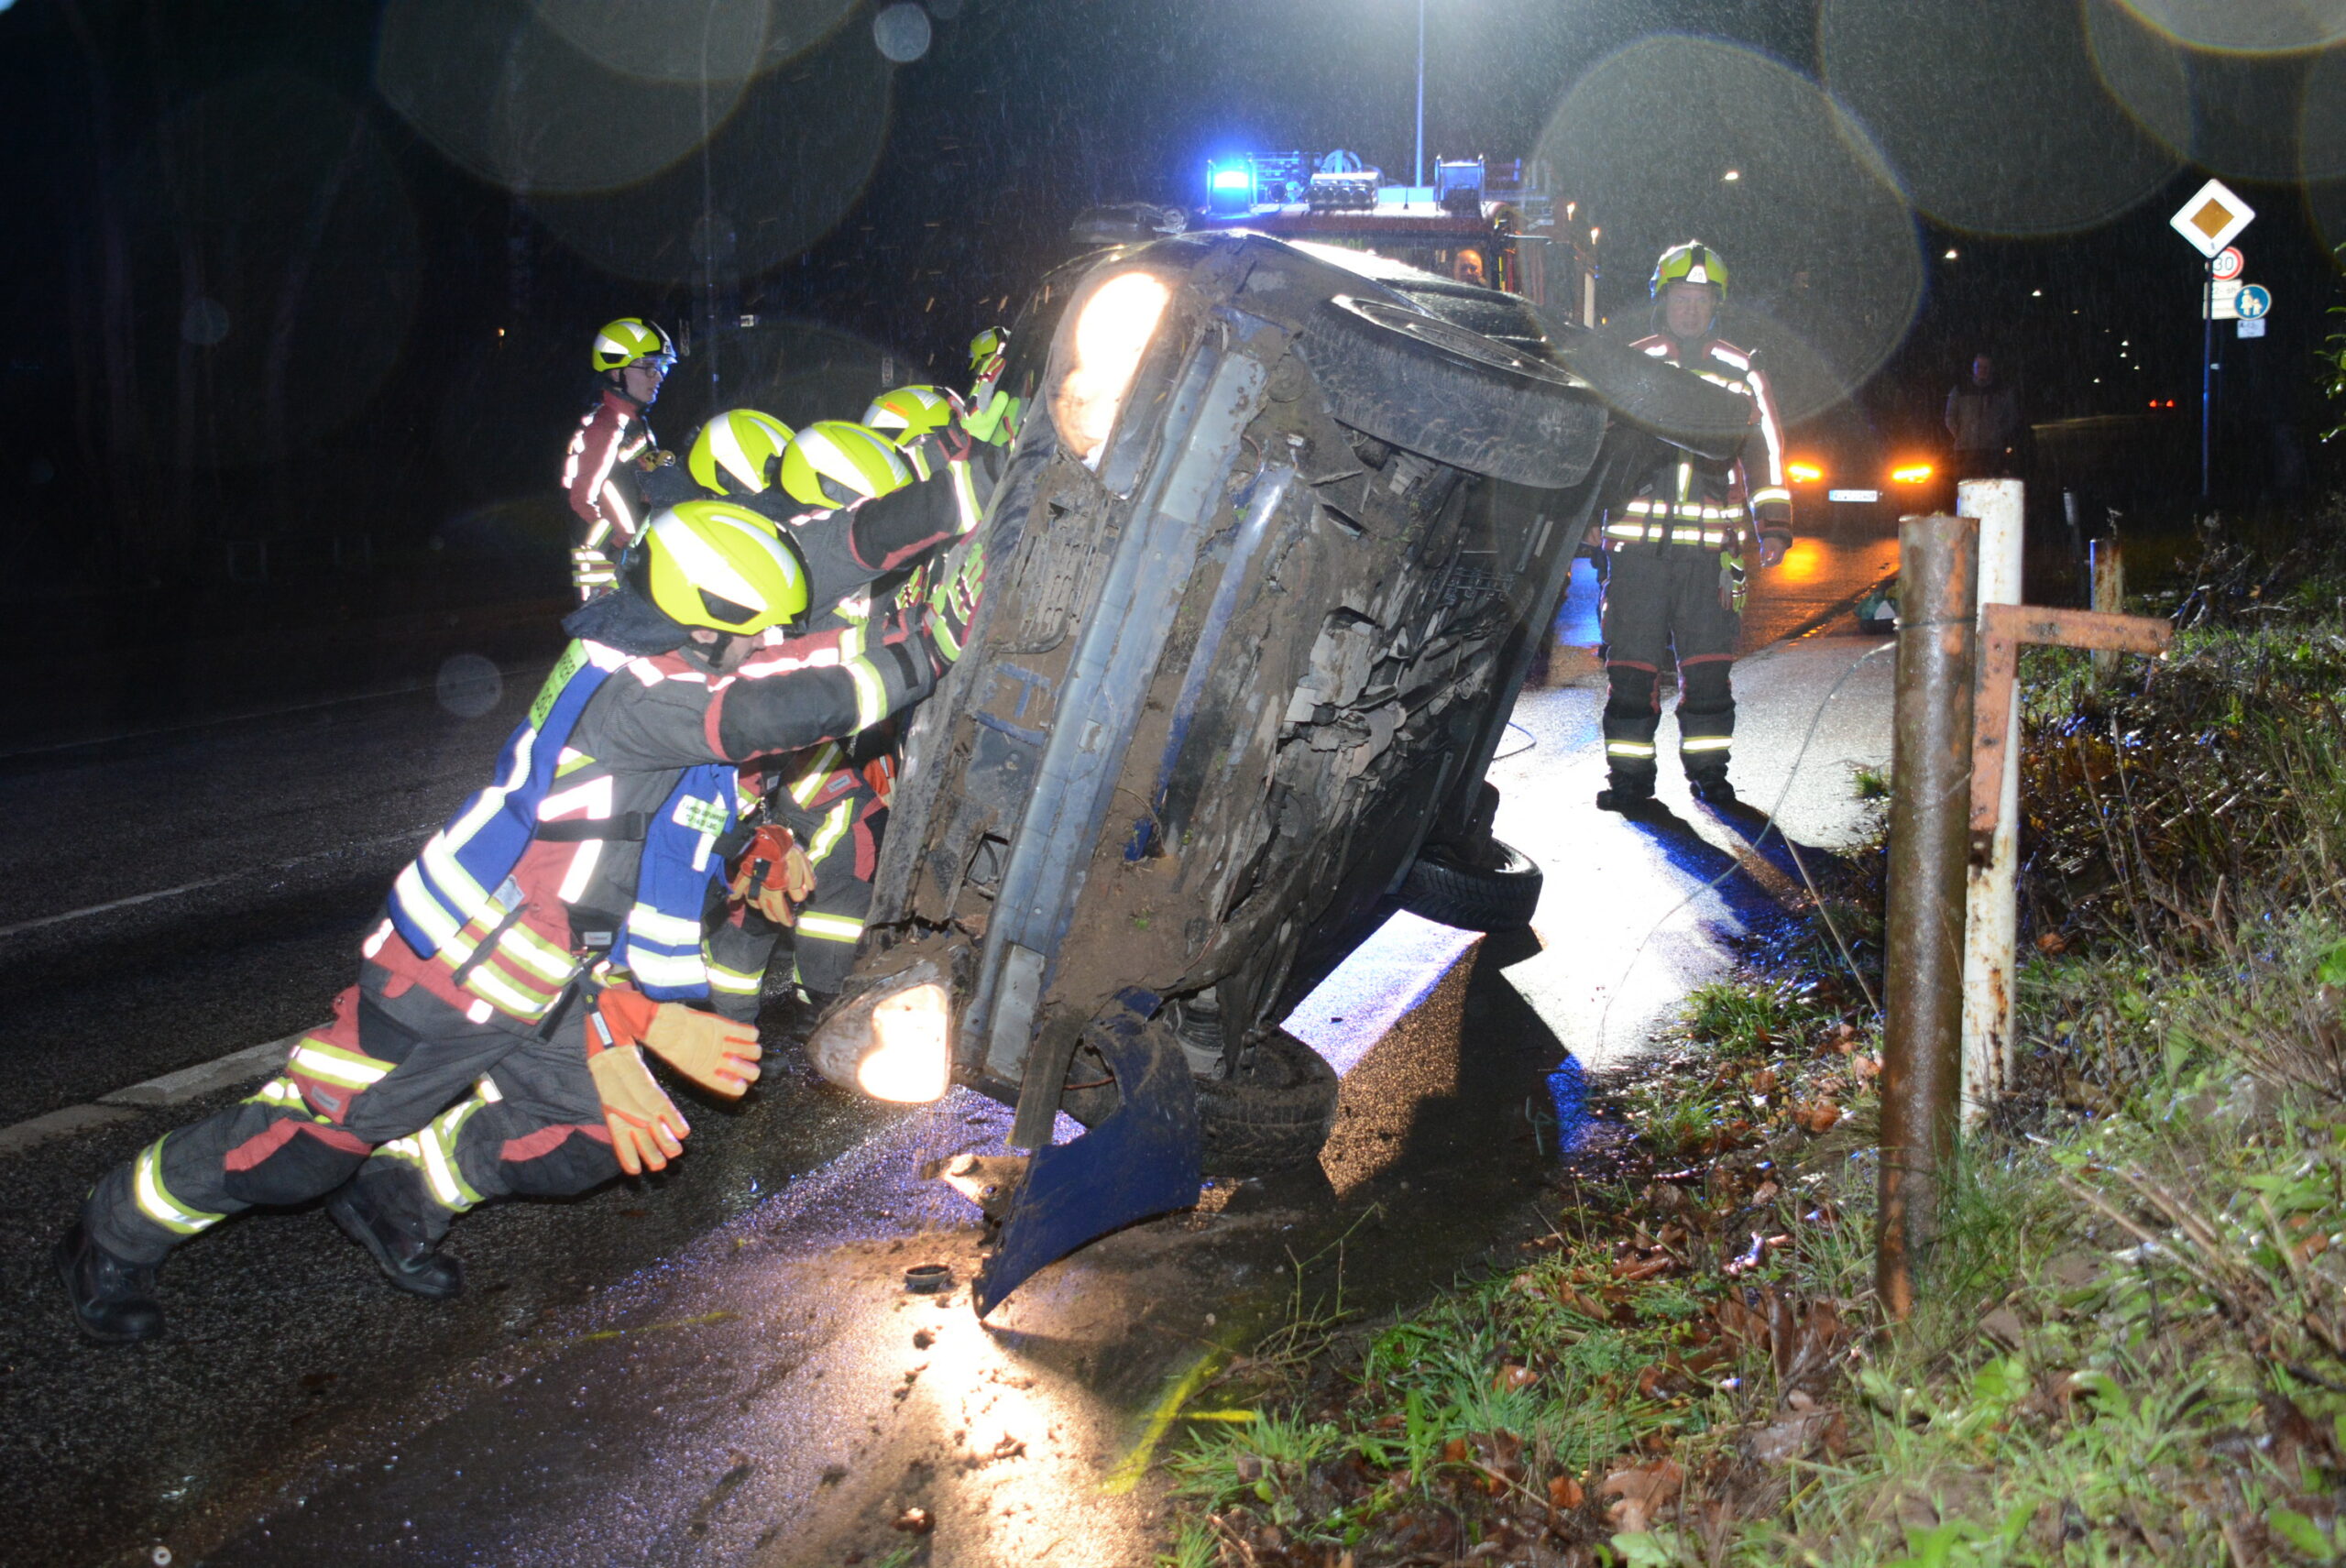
{"points": [[2132, 1346]]}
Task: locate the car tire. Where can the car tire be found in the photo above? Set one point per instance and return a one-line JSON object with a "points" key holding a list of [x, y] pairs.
{"points": [[1455, 396], [1274, 1117], [1442, 888]]}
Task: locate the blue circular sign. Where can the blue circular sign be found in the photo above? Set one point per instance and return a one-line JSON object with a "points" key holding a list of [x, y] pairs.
{"points": [[2255, 301]]}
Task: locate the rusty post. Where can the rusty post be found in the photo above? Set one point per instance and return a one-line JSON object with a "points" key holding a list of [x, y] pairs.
{"points": [[1929, 844], [2108, 567]]}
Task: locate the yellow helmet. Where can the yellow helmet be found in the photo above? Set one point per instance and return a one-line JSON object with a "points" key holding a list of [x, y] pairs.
{"points": [[717, 564], [734, 453], [985, 348], [631, 340], [834, 462], [1693, 262], [909, 412]]}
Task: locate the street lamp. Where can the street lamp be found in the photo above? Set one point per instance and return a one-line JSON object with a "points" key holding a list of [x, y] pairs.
{"points": [[1419, 179]]}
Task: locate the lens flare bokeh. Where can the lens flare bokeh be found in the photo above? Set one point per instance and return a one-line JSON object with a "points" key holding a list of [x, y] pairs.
{"points": [[1824, 252], [1992, 113]]}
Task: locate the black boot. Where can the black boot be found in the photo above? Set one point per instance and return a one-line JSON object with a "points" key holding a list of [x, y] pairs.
{"points": [[113, 1299], [388, 1211], [1712, 789], [1630, 797]]}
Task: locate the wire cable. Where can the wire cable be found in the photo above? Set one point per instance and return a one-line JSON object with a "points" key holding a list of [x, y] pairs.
{"points": [[1604, 1018]]}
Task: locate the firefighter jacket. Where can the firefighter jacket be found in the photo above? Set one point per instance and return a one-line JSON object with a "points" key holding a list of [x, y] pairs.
{"points": [[1710, 505], [597, 476], [603, 836]]}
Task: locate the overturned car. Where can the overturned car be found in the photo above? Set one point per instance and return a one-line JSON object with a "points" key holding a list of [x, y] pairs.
{"points": [[1265, 570]]}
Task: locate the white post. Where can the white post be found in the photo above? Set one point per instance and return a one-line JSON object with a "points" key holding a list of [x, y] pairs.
{"points": [[1991, 927]]}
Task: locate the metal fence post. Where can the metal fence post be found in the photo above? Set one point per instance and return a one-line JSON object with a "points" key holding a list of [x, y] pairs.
{"points": [[1992, 920], [1929, 837]]}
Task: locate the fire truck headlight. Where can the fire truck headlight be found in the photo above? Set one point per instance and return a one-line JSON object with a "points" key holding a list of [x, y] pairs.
{"points": [[911, 1057], [1110, 336]]}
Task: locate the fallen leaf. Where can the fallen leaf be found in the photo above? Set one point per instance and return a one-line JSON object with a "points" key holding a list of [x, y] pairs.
{"points": [[1455, 1452], [2052, 942], [2003, 1326], [1644, 1490], [1817, 1117], [1513, 1375], [1764, 1082], [1564, 1491], [1865, 1067]]}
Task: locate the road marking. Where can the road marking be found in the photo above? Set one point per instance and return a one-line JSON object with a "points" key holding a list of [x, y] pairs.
{"points": [[403, 835], [1134, 1463]]}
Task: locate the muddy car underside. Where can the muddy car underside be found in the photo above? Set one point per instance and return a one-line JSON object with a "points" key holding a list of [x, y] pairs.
{"points": [[1240, 664]]}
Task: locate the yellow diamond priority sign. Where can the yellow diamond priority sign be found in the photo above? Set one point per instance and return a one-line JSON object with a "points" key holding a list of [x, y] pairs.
{"points": [[2212, 218]]}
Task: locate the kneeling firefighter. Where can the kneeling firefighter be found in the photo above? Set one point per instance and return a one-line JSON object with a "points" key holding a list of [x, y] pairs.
{"points": [[1676, 554], [541, 940]]}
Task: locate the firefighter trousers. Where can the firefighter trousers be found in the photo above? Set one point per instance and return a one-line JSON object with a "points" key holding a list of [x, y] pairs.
{"points": [[840, 830], [1674, 602], [482, 1110]]}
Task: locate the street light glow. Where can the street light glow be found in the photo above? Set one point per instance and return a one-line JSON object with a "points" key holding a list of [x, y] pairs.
{"points": [[1732, 175]]}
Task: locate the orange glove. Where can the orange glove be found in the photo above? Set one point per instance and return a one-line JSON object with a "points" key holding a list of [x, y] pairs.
{"points": [[716, 1053], [647, 1130], [776, 876]]}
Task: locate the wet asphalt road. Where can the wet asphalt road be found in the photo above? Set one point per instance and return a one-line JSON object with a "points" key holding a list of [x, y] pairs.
{"points": [[716, 1363]]}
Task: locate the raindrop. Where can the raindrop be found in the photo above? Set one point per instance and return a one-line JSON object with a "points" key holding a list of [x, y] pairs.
{"points": [[469, 685], [204, 322], [901, 31]]}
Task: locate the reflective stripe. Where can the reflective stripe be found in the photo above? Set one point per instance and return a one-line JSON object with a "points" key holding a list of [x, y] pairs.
{"points": [[526, 947], [277, 1091], [1706, 742], [431, 1148], [1629, 748], [669, 931], [1670, 534], [826, 759], [870, 692], [493, 986], [830, 927], [735, 982], [667, 969], [315, 1059], [836, 822], [154, 1200]]}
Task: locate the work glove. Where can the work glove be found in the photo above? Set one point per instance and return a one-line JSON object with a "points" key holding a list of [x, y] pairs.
{"points": [[647, 1130], [776, 876], [718, 1054], [938, 447]]}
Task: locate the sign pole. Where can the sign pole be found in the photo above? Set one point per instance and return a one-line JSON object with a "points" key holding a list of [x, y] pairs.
{"points": [[2207, 371]]}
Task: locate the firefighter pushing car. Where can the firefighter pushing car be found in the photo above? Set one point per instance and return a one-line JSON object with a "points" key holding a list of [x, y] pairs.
{"points": [[1678, 554]]}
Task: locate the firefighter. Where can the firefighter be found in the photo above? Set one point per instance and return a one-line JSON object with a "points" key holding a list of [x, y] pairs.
{"points": [[831, 799], [613, 449], [545, 937], [835, 800], [1676, 554]]}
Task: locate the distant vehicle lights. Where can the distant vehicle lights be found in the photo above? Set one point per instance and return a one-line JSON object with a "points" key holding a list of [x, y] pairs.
{"points": [[1803, 473], [1912, 473]]}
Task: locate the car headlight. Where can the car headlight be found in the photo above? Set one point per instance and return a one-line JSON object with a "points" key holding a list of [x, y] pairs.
{"points": [[1803, 473], [893, 1042], [1912, 473], [1111, 333]]}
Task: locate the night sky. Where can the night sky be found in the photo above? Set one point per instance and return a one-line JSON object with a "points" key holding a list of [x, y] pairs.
{"points": [[305, 271]]}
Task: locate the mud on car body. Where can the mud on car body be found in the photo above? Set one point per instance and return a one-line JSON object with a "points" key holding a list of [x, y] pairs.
{"points": [[1264, 573]]}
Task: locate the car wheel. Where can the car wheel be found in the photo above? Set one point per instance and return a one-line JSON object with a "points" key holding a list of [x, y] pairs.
{"points": [[1473, 898], [1274, 1117], [1450, 394]]}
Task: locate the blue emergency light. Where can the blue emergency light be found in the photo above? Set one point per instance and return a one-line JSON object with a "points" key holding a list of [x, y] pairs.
{"points": [[1230, 189]]}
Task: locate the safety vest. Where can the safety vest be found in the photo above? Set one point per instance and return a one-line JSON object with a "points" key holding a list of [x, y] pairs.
{"points": [[457, 901]]}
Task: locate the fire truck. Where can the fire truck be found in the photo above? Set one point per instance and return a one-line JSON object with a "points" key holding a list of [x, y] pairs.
{"points": [[1490, 222]]}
